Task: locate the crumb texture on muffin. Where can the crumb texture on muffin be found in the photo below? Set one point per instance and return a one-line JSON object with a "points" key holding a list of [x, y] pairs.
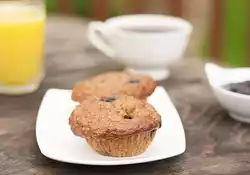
{"points": [[114, 83], [118, 126], [124, 146], [123, 116]]}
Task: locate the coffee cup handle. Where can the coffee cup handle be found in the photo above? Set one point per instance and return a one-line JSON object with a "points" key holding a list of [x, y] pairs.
{"points": [[96, 35]]}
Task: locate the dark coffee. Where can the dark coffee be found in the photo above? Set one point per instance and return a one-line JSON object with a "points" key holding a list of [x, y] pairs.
{"points": [[147, 29]]}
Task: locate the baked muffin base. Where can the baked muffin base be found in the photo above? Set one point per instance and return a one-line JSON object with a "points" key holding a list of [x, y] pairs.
{"points": [[122, 146]]}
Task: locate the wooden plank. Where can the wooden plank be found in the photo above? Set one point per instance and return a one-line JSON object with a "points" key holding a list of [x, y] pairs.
{"points": [[199, 14], [51, 5], [167, 7], [176, 7], [82, 7], [156, 6], [65, 6], [137, 6], [248, 37], [100, 9], [118, 7], [234, 50], [216, 29]]}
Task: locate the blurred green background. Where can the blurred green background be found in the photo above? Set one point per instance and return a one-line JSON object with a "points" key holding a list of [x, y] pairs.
{"points": [[221, 27]]}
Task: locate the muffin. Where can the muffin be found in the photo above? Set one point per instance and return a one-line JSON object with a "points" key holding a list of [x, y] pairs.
{"points": [[115, 83], [116, 126]]}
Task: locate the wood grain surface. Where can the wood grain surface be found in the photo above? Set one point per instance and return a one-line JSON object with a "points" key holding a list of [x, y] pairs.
{"points": [[216, 144]]}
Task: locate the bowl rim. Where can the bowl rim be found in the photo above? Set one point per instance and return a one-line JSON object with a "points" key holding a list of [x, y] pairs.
{"points": [[230, 93]]}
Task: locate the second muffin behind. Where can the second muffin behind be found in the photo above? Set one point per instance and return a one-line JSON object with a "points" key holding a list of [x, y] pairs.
{"points": [[115, 83]]}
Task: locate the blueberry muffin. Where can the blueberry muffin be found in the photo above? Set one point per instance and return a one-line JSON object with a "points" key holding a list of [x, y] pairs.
{"points": [[116, 126], [115, 83]]}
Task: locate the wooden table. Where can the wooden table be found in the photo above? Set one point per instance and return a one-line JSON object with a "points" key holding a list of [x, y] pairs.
{"points": [[216, 144]]}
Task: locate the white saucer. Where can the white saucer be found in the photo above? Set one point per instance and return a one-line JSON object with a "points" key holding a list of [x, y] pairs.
{"points": [[56, 141]]}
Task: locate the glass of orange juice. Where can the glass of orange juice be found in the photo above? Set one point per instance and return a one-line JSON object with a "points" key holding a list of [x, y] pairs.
{"points": [[22, 30]]}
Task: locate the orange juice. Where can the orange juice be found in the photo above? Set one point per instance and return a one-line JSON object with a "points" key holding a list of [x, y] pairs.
{"points": [[21, 43]]}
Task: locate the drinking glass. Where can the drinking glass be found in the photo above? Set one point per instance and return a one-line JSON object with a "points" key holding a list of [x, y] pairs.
{"points": [[22, 30]]}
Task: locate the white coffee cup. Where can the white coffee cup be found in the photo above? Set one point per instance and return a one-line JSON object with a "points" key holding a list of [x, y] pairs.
{"points": [[143, 43]]}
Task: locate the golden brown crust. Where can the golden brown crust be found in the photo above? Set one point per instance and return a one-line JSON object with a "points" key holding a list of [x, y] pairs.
{"points": [[121, 117], [122, 146], [115, 83]]}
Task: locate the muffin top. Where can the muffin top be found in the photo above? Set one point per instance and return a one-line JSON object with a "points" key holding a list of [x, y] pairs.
{"points": [[113, 116], [114, 83]]}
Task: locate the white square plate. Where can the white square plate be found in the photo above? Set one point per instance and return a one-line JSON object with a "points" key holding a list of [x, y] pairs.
{"points": [[56, 141]]}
